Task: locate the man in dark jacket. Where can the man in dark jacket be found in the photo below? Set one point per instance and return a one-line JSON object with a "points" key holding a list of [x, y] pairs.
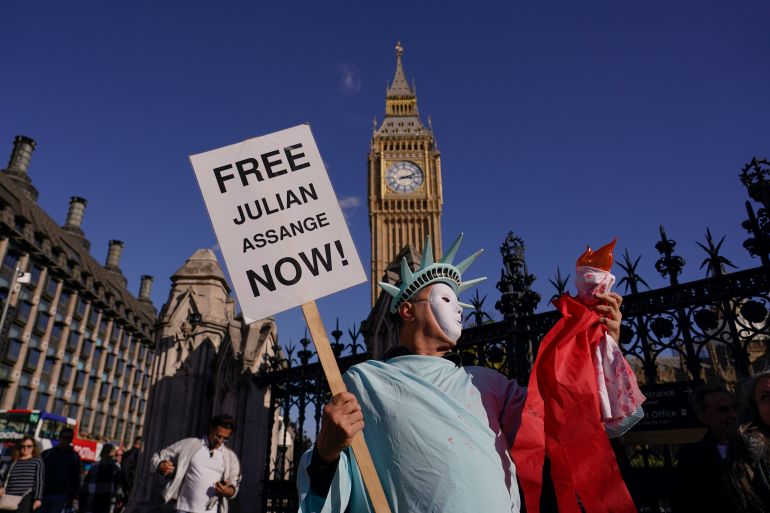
{"points": [[130, 462], [702, 465], [62, 474]]}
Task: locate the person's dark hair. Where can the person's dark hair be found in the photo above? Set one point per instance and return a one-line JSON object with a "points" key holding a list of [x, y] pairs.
{"points": [[106, 451], [67, 430], [222, 420], [748, 447], [137, 439], [701, 392], [16, 453]]}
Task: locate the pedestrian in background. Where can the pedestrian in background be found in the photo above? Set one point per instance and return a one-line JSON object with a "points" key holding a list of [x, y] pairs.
{"points": [[204, 472], [702, 466], [748, 474], [62, 475], [24, 476], [103, 487], [130, 462]]}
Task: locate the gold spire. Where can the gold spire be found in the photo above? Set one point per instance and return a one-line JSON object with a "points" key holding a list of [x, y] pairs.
{"points": [[400, 87]]}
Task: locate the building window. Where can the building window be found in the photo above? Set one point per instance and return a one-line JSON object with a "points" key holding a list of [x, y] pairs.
{"points": [[108, 426], [109, 363], [74, 410], [22, 312], [35, 274], [80, 380], [92, 318], [22, 397], [102, 328], [62, 305], [34, 340], [90, 389], [65, 375], [98, 418], [10, 261], [26, 294], [58, 407], [86, 420], [72, 341], [115, 331], [97, 358], [33, 357], [80, 309], [42, 401], [85, 351], [48, 366], [42, 321], [13, 350], [103, 391], [50, 286], [55, 336], [114, 395], [132, 404], [14, 331]]}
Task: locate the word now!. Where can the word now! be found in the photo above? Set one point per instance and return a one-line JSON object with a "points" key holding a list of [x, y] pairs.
{"points": [[288, 270]]}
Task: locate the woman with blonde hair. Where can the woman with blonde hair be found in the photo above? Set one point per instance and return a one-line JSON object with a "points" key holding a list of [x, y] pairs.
{"points": [[24, 476], [748, 476]]}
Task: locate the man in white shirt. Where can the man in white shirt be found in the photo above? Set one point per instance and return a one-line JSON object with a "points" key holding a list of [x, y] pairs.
{"points": [[204, 471]]}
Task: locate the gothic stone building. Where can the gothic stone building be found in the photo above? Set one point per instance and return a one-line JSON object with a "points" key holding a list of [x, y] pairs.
{"points": [[206, 358], [74, 340]]}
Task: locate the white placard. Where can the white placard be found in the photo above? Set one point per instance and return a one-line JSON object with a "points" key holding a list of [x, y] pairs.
{"points": [[278, 221]]}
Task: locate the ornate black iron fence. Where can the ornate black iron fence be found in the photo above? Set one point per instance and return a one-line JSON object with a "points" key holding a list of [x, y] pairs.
{"points": [[714, 329]]}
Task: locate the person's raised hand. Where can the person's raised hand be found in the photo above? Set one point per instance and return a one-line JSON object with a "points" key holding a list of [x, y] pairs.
{"points": [[166, 468], [609, 309], [342, 420]]}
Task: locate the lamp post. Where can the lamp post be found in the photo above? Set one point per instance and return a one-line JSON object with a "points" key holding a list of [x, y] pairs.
{"points": [[17, 279]]}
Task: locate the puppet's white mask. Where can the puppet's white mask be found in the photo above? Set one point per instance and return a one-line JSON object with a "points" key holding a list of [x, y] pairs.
{"points": [[446, 310]]}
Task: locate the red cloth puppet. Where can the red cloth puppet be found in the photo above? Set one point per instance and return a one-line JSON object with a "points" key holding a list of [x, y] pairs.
{"points": [[579, 383]]}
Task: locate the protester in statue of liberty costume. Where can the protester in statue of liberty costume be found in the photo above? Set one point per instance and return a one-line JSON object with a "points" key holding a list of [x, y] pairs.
{"points": [[439, 433]]}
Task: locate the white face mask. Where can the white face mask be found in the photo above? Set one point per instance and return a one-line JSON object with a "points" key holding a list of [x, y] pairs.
{"points": [[446, 310]]}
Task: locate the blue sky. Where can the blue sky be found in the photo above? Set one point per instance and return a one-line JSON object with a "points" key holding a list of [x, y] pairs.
{"points": [[567, 123]]}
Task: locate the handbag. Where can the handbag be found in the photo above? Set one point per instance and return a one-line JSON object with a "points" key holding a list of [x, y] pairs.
{"points": [[10, 502]]}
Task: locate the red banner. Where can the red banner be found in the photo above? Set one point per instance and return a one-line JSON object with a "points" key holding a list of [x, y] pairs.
{"points": [[561, 420]]}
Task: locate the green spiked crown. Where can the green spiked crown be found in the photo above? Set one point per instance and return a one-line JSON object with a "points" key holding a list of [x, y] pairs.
{"points": [[431, 272]]}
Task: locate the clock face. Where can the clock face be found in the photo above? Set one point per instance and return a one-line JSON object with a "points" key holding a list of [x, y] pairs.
{"points": [[404, 177]]}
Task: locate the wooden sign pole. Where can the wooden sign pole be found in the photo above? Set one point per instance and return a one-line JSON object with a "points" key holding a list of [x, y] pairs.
{"points": [[334, 378]]}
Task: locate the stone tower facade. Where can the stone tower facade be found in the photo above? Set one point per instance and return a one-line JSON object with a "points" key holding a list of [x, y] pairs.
{"points": [[405, 196], [206, 358]]}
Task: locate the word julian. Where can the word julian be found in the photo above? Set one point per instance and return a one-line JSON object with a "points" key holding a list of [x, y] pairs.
{"points": [[276, 203]]}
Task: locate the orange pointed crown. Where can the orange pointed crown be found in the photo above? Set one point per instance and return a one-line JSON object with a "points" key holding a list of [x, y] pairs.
{"points": [[599, 259]]}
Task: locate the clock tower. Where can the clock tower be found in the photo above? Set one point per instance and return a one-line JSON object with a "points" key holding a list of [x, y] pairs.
{"points": [[405, 195]]}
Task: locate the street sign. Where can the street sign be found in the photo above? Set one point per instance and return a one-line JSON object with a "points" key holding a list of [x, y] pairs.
{"points": [[668, 418]]}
